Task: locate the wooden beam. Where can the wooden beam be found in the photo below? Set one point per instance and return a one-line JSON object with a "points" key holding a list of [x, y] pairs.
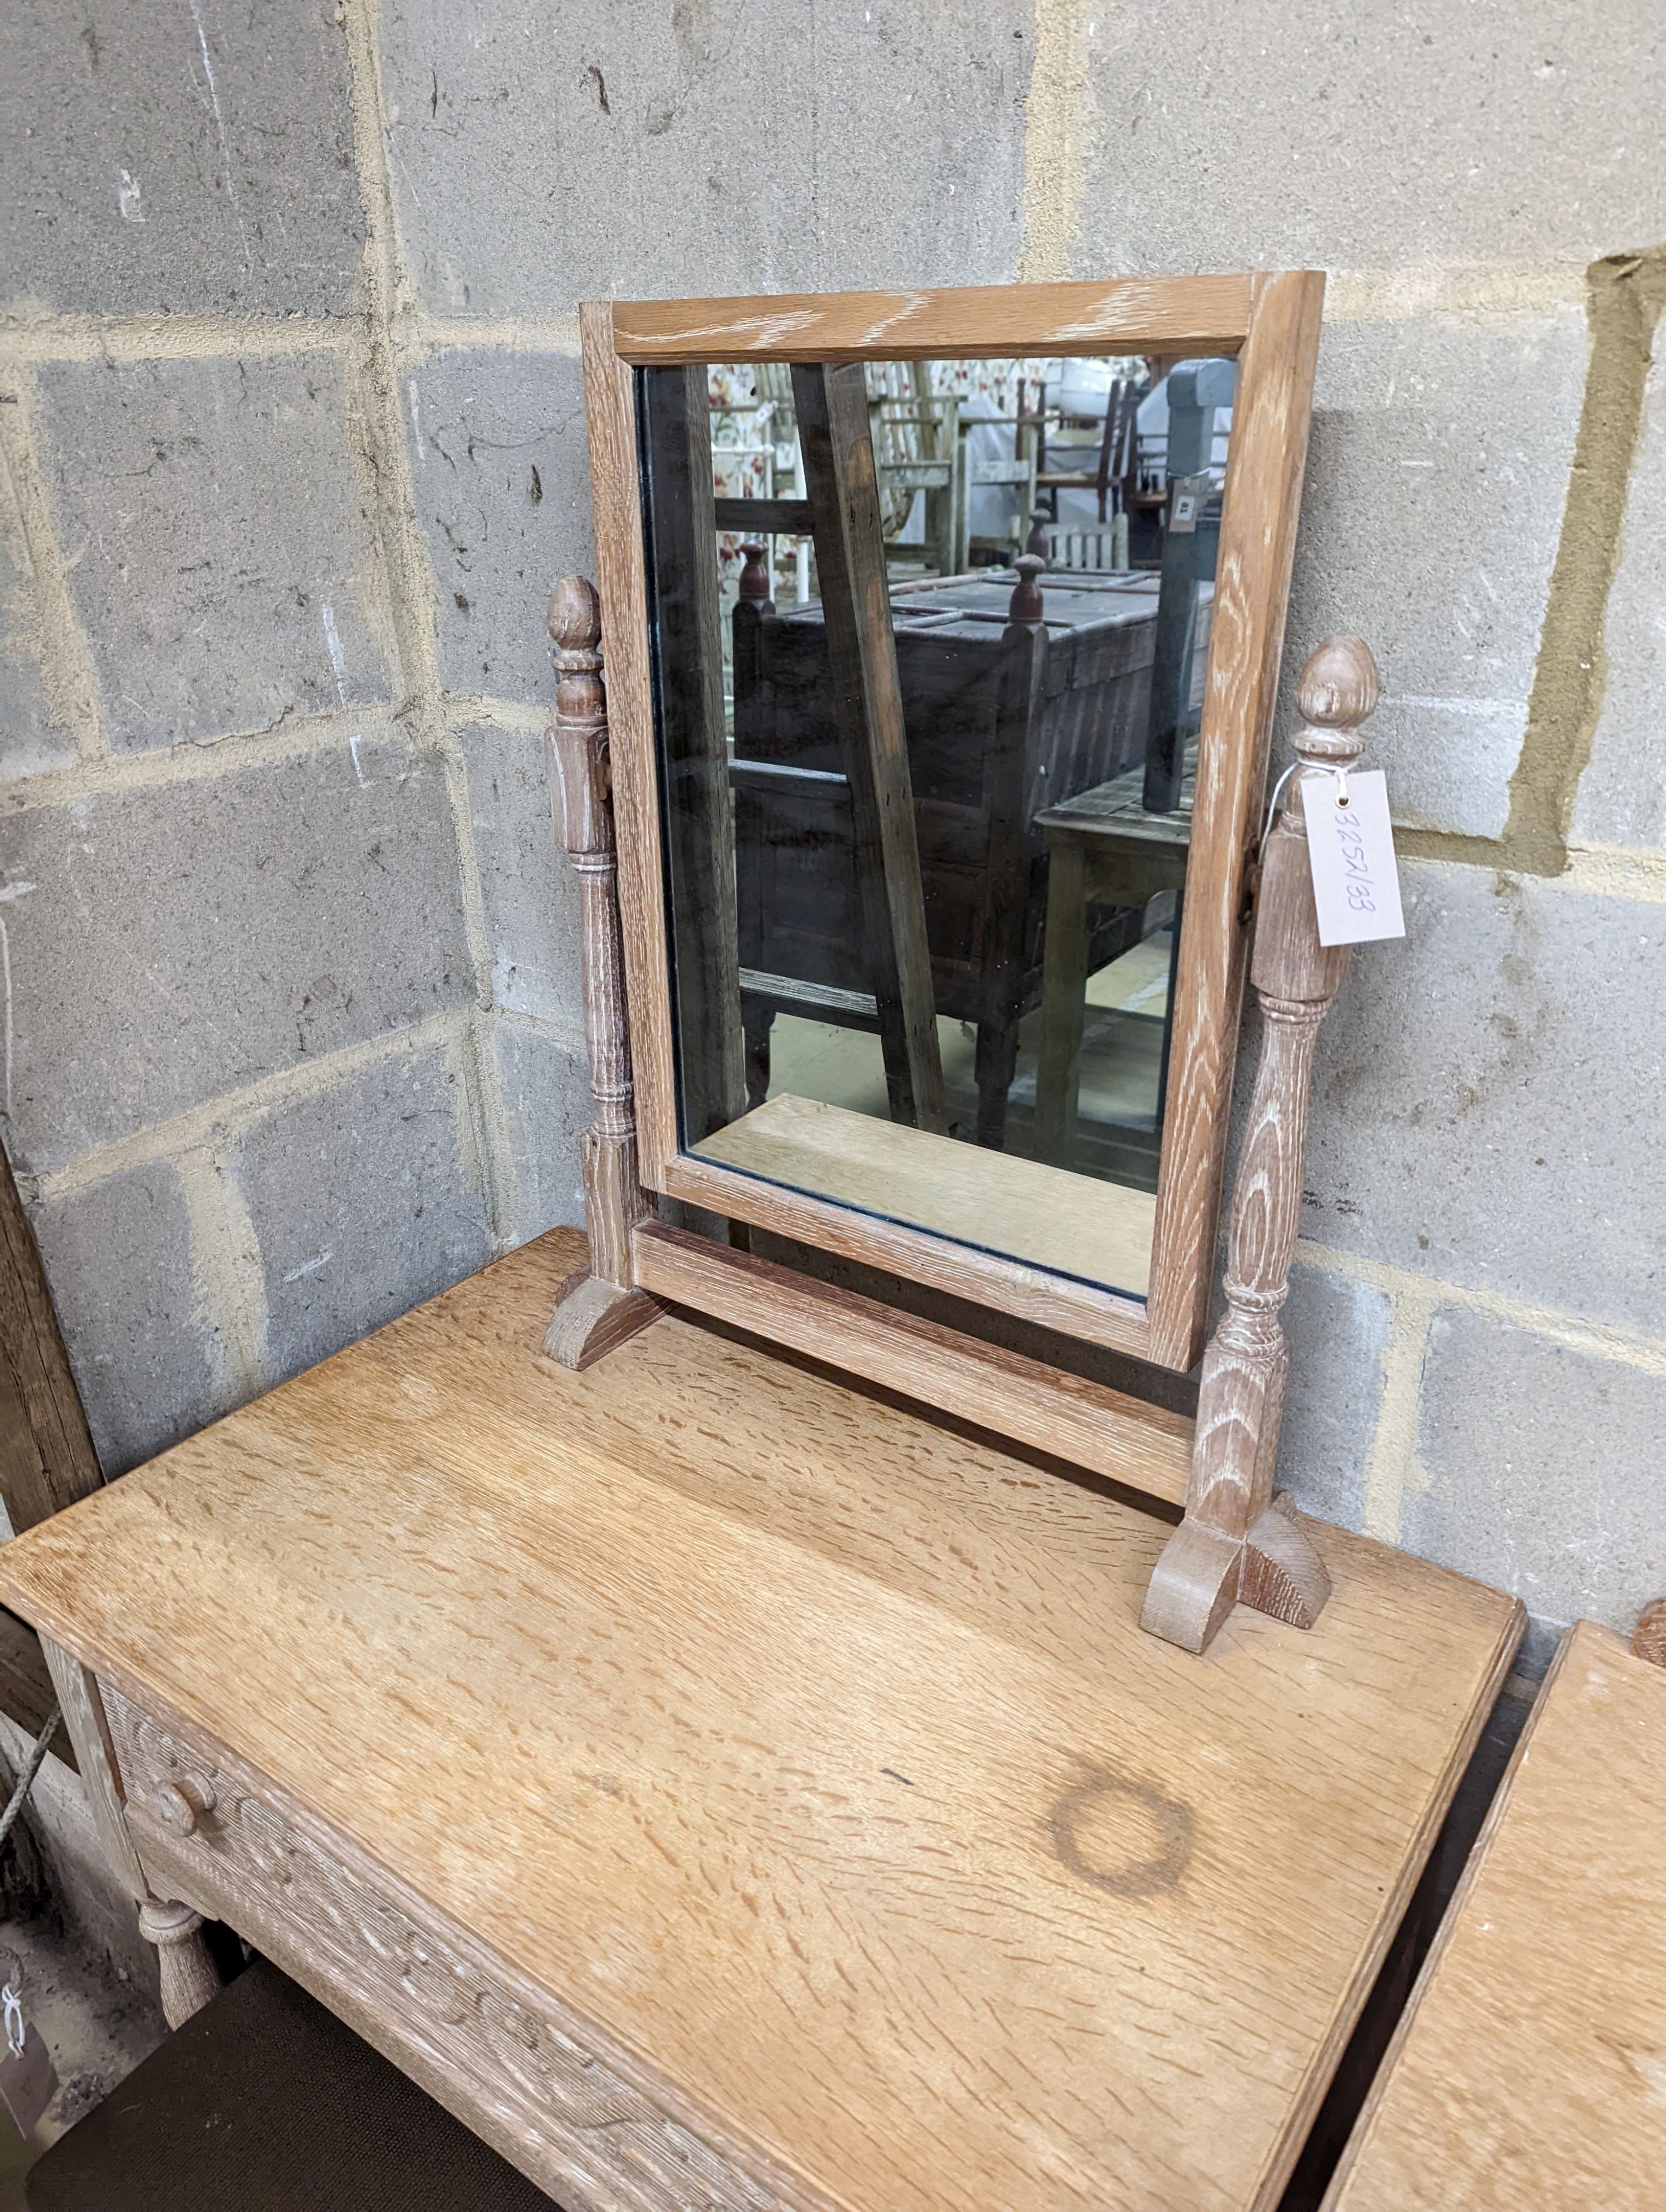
{"points": [[1141, 1446], [763, 517], [47, 1457], [832, 404], [26, 1694], [1179, 316]]}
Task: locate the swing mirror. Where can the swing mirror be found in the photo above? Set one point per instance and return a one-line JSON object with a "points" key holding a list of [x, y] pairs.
{"points": [[941, 634]]}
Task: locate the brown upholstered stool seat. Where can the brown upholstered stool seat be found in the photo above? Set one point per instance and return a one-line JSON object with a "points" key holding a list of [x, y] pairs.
{"points": [[265, 2102]]}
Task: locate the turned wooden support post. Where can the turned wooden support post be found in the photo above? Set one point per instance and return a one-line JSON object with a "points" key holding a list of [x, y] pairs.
{"points": [[1239, 1544], [188, 1972], [189, 1976], [601, 1307]]}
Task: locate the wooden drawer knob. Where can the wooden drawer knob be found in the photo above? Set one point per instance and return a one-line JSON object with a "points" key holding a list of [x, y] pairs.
{"points": [[177, 1805]]}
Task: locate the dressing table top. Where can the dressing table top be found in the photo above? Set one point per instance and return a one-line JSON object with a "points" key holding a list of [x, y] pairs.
{"points": [[806, 1747]]}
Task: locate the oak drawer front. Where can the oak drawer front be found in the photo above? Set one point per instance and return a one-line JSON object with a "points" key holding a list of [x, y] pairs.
{"points": [[563, 2114]]}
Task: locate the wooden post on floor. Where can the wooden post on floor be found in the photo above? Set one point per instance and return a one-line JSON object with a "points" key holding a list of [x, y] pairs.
{"points": [[842, 483], [602, 1306], [1239, 1544]]}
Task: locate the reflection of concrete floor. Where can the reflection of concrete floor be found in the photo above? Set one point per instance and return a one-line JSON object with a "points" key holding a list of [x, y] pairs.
{"points": [[1121, 1055]]}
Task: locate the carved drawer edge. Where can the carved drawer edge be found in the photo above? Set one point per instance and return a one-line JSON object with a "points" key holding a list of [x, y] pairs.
{"points": [[539, 2084]]}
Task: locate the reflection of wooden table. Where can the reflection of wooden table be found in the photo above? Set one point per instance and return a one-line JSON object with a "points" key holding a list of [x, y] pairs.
{"points": [[1103, 849], [999, 718], [1530, 2069], [722, 1786]]}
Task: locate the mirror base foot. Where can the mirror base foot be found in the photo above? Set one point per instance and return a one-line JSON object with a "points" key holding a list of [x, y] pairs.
{"points": [[1203, 1574], [593, 1317]]}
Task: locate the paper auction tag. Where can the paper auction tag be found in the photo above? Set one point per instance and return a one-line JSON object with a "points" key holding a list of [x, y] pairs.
{"points": [[1190, 494], [1350, 848], [28, 2080]]}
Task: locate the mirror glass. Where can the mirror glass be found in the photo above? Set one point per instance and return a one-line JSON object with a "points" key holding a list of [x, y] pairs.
{"points": [[929, 652]]}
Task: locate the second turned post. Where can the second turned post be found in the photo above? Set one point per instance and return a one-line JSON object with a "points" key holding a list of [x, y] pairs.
{"points": [[1239, 1544]]}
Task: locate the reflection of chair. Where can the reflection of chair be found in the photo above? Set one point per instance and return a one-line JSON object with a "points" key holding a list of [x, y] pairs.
{"points": [[915, 433], [1112, 476], [1105, 851], [1003, 711], [987, 472]]}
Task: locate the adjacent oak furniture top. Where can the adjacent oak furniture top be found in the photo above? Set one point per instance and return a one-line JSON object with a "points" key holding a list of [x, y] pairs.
{"points": [[807, 1748], [1531, 2067]]}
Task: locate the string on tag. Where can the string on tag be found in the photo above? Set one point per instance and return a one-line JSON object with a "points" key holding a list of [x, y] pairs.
{"points": [[17, 2034], [1335, 768]]}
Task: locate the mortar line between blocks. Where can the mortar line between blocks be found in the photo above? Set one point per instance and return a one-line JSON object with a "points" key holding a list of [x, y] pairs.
{"points": [[1057, 109], [410, 573], [566, 1033], [65, 657], [1394, 1446], [421, 334], [218, 1123], [228, 1287], [1629, 1348], [465, 710], [111, 773], [127, 338], [1615, 871]]}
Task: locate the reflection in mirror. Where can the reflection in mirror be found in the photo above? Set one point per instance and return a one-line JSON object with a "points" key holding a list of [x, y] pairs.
{"points": [[929, 644]]}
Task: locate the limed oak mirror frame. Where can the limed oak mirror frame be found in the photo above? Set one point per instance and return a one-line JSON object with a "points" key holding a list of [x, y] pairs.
{"points": [[1270, 323]]}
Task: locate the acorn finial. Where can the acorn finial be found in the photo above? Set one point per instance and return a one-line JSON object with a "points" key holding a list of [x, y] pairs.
{"points": [[574, 621], [1339, 689]]}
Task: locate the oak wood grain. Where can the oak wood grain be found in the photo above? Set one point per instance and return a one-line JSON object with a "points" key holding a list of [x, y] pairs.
{"points": [[1528, 2067], [1141, 1446], [1275, 317], [1126, 314], [810, 1753], [609, 406], [541, 2089], [1270, 417], [1219, 1556], [1009, 1286]]}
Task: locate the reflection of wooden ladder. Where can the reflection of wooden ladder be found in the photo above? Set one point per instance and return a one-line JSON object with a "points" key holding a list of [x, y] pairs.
{"points": [[916, 449], [842, 514]]}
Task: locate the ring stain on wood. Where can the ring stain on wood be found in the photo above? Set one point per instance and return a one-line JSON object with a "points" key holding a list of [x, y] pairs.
{"points": [[1145, 1877]]}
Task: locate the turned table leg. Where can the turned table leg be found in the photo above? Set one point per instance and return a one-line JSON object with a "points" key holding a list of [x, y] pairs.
{"points": [[189, 1976]]}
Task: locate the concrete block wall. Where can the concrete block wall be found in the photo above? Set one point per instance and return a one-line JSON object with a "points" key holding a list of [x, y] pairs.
{"points": [[292, 434]]}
